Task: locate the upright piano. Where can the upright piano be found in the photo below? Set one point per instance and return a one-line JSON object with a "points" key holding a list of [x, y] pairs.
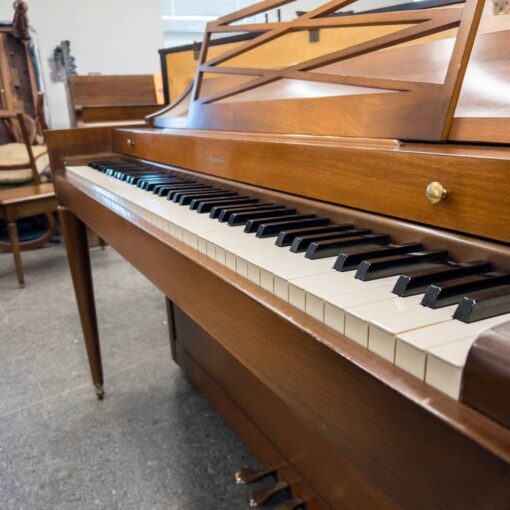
{"points": [[332, 234]]}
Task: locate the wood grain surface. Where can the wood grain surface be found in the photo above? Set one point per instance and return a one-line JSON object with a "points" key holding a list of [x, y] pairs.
{"points": [[389, 181]]}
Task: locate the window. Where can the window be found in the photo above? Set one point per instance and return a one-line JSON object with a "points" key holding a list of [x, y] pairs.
{"points": [[193, 15]]}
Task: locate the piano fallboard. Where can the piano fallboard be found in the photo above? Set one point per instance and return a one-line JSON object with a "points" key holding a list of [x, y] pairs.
{"points": [[383, 176]]}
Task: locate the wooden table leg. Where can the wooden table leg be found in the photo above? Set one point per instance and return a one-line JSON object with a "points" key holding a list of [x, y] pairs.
{"points": [[14, 239], [75, 236]]}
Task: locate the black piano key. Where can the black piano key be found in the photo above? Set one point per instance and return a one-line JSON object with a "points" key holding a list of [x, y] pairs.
{"points": [[193, 193], [112, 162], [196, 202], [125, 174], [164, 189], [133, 178], [274, 229], [241, 218], [140, 172], [286, 237], [302, 243], [224, 213], [173, 193], [394, 266], [332, 247], [484, 304], [138, 179], [122, 173], [416, 282], [351, 258], [254, 224], [143, 183], [116, 165], [207, 205], [176, 182], [127, 170], [167, 190], [451, 292], [186, 198], [151, 185]]}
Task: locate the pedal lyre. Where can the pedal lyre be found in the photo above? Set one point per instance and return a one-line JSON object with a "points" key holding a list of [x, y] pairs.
{"points": [[245, 476], [261, 496]]}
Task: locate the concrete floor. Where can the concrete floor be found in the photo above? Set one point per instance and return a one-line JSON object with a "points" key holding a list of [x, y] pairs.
{"points": [[153, 443]]}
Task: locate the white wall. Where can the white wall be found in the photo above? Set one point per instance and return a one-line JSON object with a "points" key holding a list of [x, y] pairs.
{"points": [[107, 37]]}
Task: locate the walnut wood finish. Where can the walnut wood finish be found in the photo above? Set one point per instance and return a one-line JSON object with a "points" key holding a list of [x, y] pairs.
{"points": [[487, 374], [18, 86], [366, 113], [63, 143], [171, 327], [389, 180], [21, 202], [460, 247], [75, 235], [113, 98], [479, 117], [393, 443], [256, 440], [14, 242]]}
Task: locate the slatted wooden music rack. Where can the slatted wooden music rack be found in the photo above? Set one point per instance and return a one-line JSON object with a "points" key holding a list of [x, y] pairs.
{"points": [[369, 107]]}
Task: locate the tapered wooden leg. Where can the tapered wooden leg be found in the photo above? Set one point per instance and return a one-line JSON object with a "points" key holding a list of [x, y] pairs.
{"points": [[75, 236], [171, 327], [14, 239]]}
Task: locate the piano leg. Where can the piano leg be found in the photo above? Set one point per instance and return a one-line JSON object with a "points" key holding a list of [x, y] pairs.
{"points": [[75, 236], [171, 327]]}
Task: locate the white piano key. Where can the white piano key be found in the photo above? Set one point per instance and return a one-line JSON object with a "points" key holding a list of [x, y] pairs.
{"points": [[278, 280], [335, 305], [383, 330], [315, 300], [445, 365], [358, 318], [308, 293], [412, 346]]}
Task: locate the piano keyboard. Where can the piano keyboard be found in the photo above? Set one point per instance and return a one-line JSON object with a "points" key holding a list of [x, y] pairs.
{"points": [[413, 307]]}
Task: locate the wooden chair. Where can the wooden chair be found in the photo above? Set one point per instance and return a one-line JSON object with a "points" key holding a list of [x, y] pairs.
{"points": [[25, 159], [22, 162]]}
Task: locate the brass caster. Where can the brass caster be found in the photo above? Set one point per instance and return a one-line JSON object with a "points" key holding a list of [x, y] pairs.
{"points": [[245, 476], [99, 391], [258, 498]]}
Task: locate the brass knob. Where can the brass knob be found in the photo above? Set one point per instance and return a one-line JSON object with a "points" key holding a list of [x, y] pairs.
{"points": [[435, 192], [130, 142]]}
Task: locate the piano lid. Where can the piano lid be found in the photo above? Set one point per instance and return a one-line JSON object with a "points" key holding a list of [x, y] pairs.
{"points": [[382, 75]]}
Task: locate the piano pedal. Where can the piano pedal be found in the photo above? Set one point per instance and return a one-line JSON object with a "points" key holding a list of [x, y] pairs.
{"points": [[100, 391], [293, 504], [246, 476], [262, 496]]}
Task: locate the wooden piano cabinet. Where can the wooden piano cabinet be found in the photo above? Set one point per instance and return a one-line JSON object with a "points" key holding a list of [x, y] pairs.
{"points": [[357, 430], [487, 374]]}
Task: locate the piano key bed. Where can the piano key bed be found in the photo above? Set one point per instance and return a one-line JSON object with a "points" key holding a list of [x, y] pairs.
{"points": [[413, 307]]}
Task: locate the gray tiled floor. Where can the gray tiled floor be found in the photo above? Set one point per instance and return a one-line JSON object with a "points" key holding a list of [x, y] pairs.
{"points": [[153, 443]]}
